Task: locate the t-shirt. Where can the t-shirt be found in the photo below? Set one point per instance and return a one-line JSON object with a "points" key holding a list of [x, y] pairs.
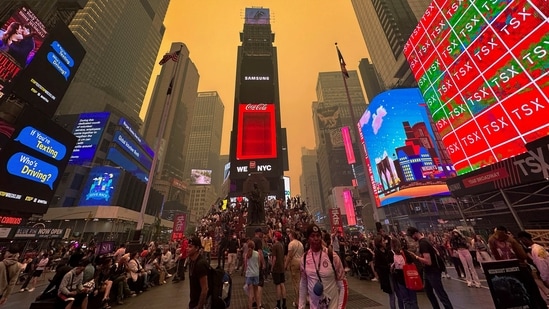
{"points": [[297, 247], [426, 247], [309, 278], [278, 252], [197, 270]]}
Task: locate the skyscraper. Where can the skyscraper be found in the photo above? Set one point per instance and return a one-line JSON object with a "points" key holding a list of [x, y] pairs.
{"points": [[386, 25], [310, 183], [49, 12], [205, 134], [331, 113], [122, 39], [181, 79], [257, 139]]}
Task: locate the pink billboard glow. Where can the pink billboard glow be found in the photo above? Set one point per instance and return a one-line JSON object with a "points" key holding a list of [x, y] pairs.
{"points": [[348, 145], [349, 207]]}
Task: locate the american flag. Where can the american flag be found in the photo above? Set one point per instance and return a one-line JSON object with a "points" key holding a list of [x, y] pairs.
{"points": [[342, 63], [173, 56]]}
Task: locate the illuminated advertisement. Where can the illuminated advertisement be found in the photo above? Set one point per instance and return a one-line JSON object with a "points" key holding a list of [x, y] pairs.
{"points": [[349, 207], [402, 148], [127, 144], [22, 35], [482, 69], [119, 158], [136, 136], [88, 131], [335, 219], [46, 79], [258, 16], [256, 137], [100, 187], [346, 135], [33, 162], [226, 171], [287, 193], [201, 177], [257, 80], [179, 225]]}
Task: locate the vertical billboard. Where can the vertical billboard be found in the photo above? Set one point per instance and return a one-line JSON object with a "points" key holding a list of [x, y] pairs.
{"points": [[88, 131], [335, 219], [256, 137], [402, 148], [32, 163], [101, 186], [179, 225], [21, 37], [44, 82], [287, 188], [482, 68]]}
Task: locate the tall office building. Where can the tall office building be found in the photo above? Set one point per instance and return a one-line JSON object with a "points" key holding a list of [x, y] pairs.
{"points": [[386, 25], [370, 79], [331, 113], [205, 135], [49, 12], [180, 80], [309, 183], [122, 39], [258, 143]]}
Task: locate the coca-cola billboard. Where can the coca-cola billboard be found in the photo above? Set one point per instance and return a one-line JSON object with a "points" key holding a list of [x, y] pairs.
{"points": [[256, 137]]}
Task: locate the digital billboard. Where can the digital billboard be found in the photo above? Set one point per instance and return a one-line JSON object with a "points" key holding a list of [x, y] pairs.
{"points": [[120, 158], [287, 188], [136, 152], [402, 148], [201, 177], [46, 79], [482, 68], [258, 16], [100, 187], [257, 80], [256, 137], [88, 131], [33, 162], [136, 136], [21, 37]]}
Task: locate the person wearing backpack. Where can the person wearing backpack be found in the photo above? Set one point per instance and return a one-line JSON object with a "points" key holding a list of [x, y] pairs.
{"points": [[198, 275], [9, 273], [432, 270]]}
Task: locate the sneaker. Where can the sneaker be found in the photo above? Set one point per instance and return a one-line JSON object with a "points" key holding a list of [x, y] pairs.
{"points": [[374, 279], [69, 299], [469, 284], [477, 285], [22, 290], [347, 269], [168, 276], [31, 289]]}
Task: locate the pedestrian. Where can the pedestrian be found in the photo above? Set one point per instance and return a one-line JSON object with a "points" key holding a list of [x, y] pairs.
{"points": [[9, 272], [258, 246], [253, 265], [277, 270], [539, 257], [198, 275], [383, 259], [459, 243], [407, 298], [181, 260], [71, 290], [295, 255], [322, 275], [207, 245], [432, 273], [232, 250]]}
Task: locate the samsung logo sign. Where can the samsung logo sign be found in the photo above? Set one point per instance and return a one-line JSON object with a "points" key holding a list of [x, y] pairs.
{"points": [[256, 78]]}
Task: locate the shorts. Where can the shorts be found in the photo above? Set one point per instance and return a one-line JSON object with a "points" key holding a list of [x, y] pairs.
{"points": [[37, 273], [252, 281], [278, 278]]}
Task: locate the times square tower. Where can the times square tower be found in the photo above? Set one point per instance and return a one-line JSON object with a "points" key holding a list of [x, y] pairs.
{"points": [[258, 151]]}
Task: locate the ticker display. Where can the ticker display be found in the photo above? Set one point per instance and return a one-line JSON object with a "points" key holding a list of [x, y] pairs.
{"points": [[482, 69]]}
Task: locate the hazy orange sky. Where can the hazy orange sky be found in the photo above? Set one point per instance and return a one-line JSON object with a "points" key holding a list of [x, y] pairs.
{"points": [[305, 33]]}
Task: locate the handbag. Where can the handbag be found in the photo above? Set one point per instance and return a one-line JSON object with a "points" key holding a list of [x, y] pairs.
{"points": [[411, 277]]}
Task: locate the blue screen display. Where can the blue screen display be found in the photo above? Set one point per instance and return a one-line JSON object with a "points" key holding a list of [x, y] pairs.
{"points": [[122, 160], [100, 187], [130, 147], [88, 130]]}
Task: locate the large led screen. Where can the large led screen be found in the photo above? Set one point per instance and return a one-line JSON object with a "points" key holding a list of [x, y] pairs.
{"points": [[88, 130], [44, 82], [21, 37], [256, 137], [403, 150], [482, 68], [100, 187], [257, 80], [201, 177], [258, 16]]}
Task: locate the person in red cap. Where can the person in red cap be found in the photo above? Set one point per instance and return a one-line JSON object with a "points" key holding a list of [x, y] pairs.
{"points": [[277, 270], [180, 274]]}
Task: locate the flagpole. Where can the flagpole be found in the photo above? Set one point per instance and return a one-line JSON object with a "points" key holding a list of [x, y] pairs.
{"points": [[158, 143], [345, 75]]}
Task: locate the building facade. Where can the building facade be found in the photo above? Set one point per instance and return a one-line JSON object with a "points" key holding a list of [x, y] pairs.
{"points": [[386, 25], [49, 12], [309, 184], [122, 39]]}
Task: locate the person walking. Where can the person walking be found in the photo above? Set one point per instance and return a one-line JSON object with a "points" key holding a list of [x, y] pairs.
{"points": [[383, 259], [459, 243], [232, 250], [322, 275], [407, 299], [277, 270], [207, 245], [252, 266], [198, 275], [432, 274], [9, 272], [295, 255]]}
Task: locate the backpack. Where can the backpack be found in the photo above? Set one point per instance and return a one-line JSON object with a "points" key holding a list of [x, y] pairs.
{"points": [[438, 261], [219, 288]]}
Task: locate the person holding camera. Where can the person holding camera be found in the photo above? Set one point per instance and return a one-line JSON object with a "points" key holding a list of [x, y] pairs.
{"points": [[322, 275]]}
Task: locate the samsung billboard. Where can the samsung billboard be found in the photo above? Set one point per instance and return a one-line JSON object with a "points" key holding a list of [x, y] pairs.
{"points": [[482, 69], [402, 148]]}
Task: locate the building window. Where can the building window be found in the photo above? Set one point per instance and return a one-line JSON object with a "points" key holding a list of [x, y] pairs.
{"points": [[77, 181]]}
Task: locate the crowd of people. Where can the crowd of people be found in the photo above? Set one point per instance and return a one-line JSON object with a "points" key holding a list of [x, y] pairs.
{"points": [[317, 261]]}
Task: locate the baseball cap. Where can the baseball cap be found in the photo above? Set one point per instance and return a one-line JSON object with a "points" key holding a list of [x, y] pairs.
{"points": [[312, 228], [278, 235], [195, 241]]}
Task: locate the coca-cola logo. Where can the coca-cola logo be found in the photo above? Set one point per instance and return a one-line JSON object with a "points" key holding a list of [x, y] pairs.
{"points": [[256, 107]]}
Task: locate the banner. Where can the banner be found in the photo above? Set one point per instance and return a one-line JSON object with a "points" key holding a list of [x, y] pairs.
{"points": [[335, 219], [179, 225]]}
